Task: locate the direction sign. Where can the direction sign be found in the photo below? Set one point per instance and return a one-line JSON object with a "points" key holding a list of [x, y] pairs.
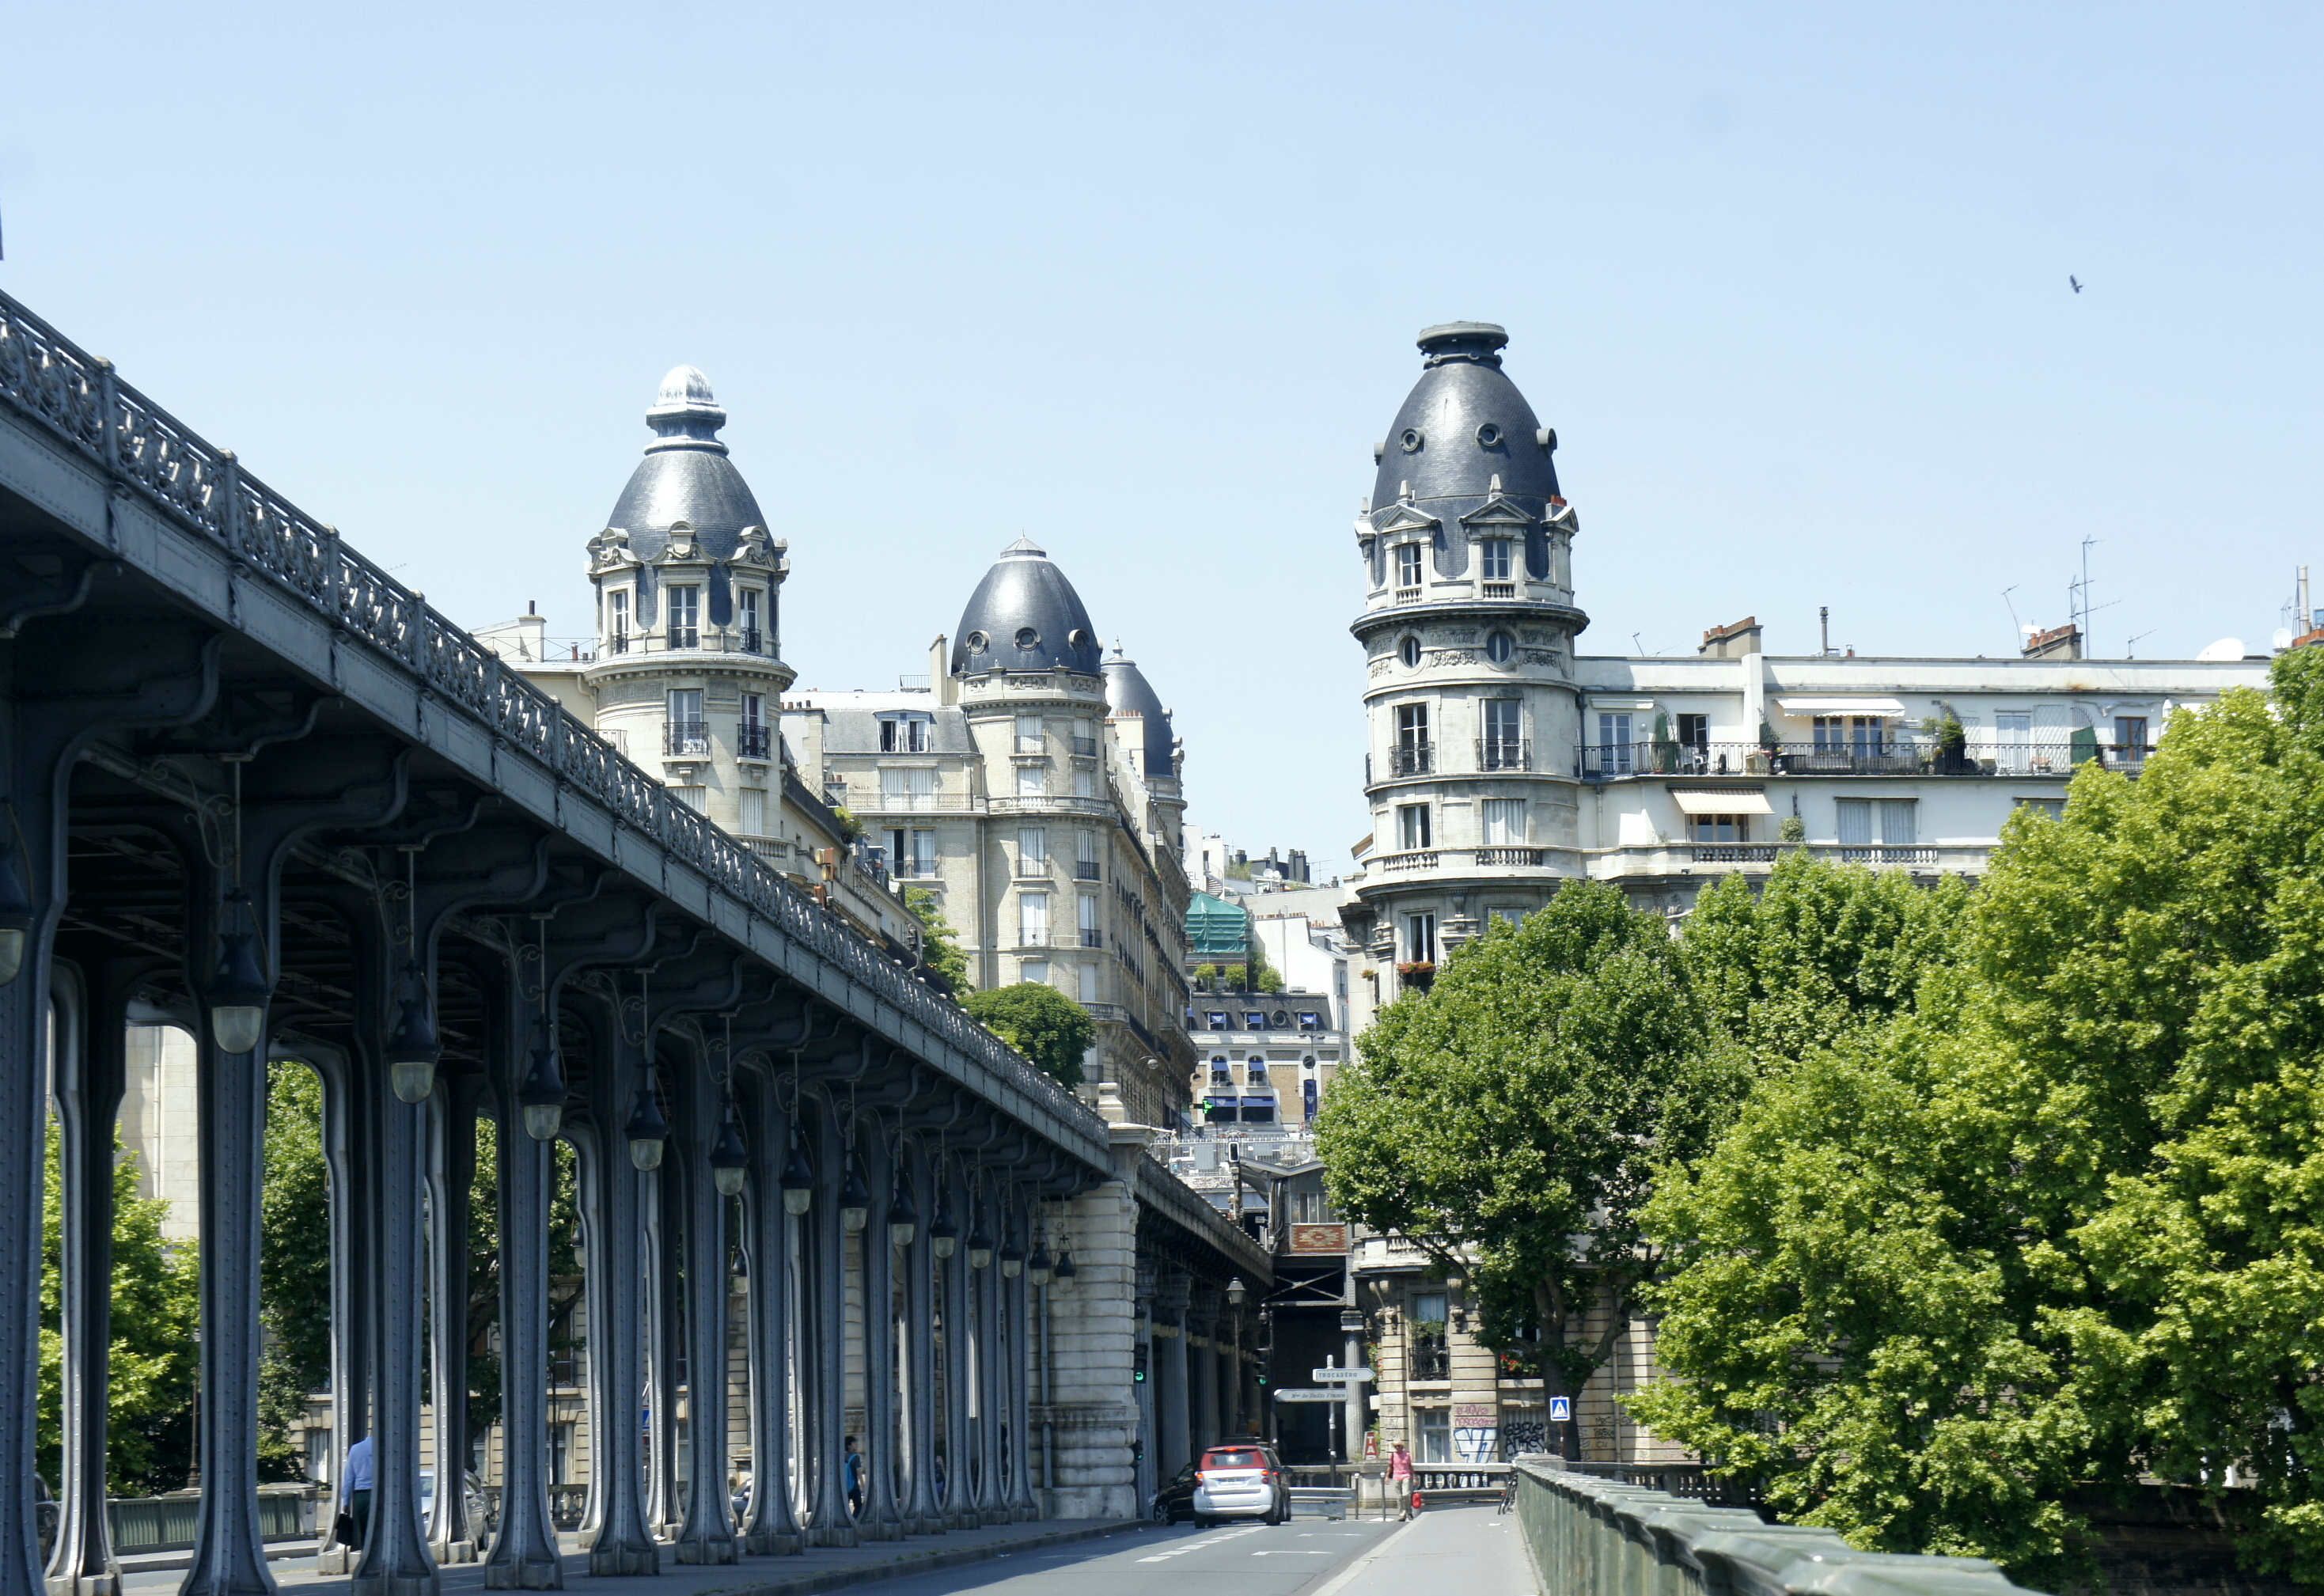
{"points": [[1561, 1410], [1309, 1394], [1339, 1377]]}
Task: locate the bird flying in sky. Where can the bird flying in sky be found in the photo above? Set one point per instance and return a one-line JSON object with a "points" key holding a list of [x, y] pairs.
{"points": [[2075, 281]]}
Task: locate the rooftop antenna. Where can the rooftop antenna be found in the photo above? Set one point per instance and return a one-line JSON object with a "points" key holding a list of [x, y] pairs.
{"points": [[2130, 649], [1637, 645], [2016, 625]]}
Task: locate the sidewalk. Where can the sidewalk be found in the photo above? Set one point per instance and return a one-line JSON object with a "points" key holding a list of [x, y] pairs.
{"points": [[824, 1569], [1473, 1550]]}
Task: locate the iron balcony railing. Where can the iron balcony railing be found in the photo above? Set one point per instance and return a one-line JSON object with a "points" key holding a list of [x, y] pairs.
{"points": [[1086, 747], [752, 643], [1900, 756], [1504, 753], [1411, 759], [1087, 870], [1430, 1360], [753, 741], [685, 737], [81, 401], [1092, 939]]}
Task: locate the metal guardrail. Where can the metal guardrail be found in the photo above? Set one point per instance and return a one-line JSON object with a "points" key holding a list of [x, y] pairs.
{"points": [[144, 1523], [1589, 1535], [78, 398]]}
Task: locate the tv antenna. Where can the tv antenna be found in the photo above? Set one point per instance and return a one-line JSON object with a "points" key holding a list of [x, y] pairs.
{"points": [[2078, 607], [2130, 649], [2016, 626]]}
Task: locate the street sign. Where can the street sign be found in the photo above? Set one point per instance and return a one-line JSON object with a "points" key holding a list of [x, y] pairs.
{"points": [[1339, 1377], [1309, 1394], [1561, 1410]]}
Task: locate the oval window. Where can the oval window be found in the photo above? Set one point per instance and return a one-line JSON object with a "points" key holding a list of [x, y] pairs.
{"points": [[1411, 440], [1409, 651], [1488, 435], [1027, 638], [1499, 647], [977, 641]]}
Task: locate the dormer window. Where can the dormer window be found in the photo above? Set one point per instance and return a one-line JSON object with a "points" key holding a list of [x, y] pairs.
{"points": [[1497, 566], [617, 623], [1407, 568], [746, 616], [685, 617], [908, 733]]}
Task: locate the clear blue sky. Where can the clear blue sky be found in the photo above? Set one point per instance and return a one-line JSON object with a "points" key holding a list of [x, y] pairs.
{"points": [[1142, 282]]}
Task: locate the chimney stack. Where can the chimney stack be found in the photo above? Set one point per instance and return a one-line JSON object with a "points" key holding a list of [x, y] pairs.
{"points": [[1732, 640], [2058, 643]]}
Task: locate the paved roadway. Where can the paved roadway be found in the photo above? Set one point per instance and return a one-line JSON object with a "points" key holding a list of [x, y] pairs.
{"points": [[1456, 1550], [1465, 1551]]}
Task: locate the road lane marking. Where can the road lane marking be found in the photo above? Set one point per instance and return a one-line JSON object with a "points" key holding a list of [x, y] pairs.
{"points": [[1198, 1542], [1348, 1575]]}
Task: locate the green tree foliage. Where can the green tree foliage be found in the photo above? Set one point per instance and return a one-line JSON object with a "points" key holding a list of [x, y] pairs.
{"points": [[1529, 1096], [154, 1356], [940, 948], [1513, 1112], [2063, 1221], [1041, 1022], [294, 1265]]}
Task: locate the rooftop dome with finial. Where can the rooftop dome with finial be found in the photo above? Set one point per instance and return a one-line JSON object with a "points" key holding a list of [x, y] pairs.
{"points": [[1024, 615], [686, 476], [1464, 429], [1128, 692]]}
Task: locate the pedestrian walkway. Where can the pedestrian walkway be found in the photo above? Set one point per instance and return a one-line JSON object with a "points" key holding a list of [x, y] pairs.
{"points": [[823, 1569], [1475, 1551]]}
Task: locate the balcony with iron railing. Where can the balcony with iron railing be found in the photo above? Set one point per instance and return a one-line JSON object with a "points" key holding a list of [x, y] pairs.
{"points": [[685, 739], [754, 740], [1411, 759], [1504, 753], [700, 640], [1093, 938], [1896, 756], [1087, 869], [1429, 1361], [1085, 747]]}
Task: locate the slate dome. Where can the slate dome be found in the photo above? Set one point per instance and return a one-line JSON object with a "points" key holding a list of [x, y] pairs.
{"points": [[686, 476], [1024, 615], [1464, 424], [1128, 692]]}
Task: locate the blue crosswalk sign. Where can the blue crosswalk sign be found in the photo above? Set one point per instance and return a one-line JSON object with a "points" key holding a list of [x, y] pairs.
{"points": [[1561, 1410]]}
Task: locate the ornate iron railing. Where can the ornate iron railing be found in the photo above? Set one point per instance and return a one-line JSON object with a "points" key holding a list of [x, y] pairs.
{"points": [[78, 398]]}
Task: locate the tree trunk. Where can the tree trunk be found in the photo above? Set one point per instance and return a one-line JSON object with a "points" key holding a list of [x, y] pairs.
{"points": [[1550, 1304]]}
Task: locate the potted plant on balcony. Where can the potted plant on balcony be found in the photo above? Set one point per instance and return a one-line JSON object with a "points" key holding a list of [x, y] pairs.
{"points": [[1417, 973], [1764, 760], [1948, 743], [1665, 751]]}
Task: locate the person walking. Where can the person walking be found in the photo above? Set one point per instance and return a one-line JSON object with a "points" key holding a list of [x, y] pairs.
{"points": [[1399, 1476], [355, 1491], [854, 1480]]}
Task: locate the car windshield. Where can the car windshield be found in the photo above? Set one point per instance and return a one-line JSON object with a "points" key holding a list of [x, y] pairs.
{"points": [[1229, 1457]]}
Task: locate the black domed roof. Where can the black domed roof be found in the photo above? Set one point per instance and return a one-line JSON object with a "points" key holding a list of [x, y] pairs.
{"points": [[685, 475], [1024, 616], [1464, 424], [1128, 692]]}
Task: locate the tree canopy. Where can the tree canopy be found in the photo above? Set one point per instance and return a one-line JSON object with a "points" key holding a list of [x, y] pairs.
{"points": [[1513, 1117], [1041, 1022], [2060, 1222]]}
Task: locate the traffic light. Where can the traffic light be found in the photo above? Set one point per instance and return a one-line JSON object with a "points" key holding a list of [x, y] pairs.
{"points": [[1138, 1364], [1262, 1374]]}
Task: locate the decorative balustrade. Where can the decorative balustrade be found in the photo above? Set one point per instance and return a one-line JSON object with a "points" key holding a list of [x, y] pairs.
{"points": [[79, 400]]}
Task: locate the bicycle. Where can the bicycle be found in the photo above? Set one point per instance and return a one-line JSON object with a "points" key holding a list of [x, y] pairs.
{"points": [[1508, 1494]]}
